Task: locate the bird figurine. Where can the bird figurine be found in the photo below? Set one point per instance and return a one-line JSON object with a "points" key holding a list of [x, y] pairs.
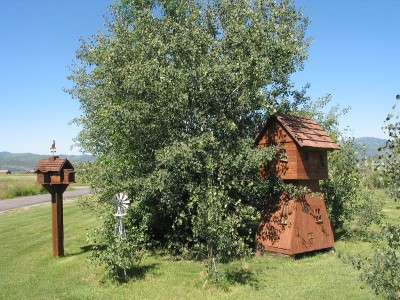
{"points": [[53, 147]]}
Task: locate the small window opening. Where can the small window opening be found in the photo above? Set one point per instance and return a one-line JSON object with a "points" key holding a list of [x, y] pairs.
{"points": [[317, 214], [305, 156], [282, 155], [285, 214], [321, 160]]}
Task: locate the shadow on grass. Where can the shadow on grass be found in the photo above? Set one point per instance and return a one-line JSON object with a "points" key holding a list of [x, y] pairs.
{"points": [[140, 272], [122, 276], [85, 249], [242, 277], [339, 234], [119, 275], [313, 253]]}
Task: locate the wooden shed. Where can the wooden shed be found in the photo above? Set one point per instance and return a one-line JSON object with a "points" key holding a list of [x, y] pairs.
{"points": [[55, 170], [288, 226]]}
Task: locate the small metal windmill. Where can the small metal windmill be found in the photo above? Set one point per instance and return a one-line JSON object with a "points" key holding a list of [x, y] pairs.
{"points": [[121, 205]]}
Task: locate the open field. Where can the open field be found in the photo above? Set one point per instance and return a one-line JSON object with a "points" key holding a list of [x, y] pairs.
{"points": [[28, 269], [391, 208], [19, 185], [12, 186]]}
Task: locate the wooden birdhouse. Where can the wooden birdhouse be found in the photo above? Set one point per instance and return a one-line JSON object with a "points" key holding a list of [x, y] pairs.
{"points": [[294, 226], [55, 174], [55, 170]]}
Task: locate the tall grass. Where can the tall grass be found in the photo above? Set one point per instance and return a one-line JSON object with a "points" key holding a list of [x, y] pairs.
{"points": [[12, 186]]}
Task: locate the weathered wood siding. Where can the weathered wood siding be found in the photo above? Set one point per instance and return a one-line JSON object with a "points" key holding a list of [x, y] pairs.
{"points": [[306, 229], [312, 164], [293, 162], [293, 226]]}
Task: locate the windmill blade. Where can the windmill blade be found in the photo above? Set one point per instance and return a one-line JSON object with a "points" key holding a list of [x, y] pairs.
{"points": [[119, 196], [122, 196], [121, 203]]}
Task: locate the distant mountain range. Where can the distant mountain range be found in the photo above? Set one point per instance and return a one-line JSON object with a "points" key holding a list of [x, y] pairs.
{"points": [[371, 145], [23, 162]]}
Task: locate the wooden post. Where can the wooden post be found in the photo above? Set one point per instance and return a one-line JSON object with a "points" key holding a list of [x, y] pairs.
{"points": [[55, 174], [56, 191]]}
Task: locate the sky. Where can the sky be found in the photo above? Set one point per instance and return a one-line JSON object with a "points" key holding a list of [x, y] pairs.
{"points": [[354, 57]]}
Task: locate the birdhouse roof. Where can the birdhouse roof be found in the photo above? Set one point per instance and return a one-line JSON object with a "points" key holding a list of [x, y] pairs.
{"points": [[304, 131], [53, 164]]}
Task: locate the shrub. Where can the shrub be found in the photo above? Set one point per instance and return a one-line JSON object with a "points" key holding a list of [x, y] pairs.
{"points": [[382, 271], [350, 201], [342, 187]]}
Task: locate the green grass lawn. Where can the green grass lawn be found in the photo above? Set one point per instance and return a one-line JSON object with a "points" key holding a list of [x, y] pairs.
{"points": [[391, 209], [28, 270]]}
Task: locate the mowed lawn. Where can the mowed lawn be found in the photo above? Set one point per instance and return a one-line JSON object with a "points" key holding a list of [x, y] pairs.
{"points": [[28, 270]]}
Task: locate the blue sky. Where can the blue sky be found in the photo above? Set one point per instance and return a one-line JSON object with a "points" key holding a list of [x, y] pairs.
{"points": [[353, 57]]}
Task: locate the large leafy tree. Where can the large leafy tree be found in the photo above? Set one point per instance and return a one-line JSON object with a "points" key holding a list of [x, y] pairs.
{"points": [[172, 95]]}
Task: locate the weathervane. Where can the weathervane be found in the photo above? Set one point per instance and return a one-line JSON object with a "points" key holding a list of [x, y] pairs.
{"points": [[53, 147]]}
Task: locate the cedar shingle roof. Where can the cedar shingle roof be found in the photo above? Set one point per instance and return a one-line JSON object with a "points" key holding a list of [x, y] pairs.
{"points": [[305, 132], [52, 164]]}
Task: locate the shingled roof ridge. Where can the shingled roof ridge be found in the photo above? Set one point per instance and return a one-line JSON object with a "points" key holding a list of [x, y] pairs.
{"points": [[45, 165], [313, 134]]}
